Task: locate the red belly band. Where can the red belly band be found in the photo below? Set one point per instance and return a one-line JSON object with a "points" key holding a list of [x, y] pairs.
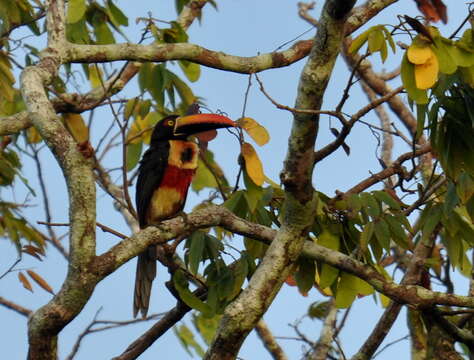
{"points": [[178, 179]]}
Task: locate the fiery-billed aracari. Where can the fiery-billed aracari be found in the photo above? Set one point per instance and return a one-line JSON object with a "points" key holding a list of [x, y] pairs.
{"points": [[165, 173]]}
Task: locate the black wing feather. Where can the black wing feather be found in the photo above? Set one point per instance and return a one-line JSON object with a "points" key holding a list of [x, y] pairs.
{"points": [[150, 174]]}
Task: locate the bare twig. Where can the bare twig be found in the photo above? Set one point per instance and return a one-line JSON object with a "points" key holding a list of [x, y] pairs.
{"points": [[269, 341], [15, 307], [326, 337], [110, 324], [10, 268], [47, 209], [395, 168], [303, 9]]}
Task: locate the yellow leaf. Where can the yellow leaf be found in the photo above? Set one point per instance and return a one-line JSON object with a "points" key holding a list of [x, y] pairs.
{"points": [[32, 135], [253, 165], [26, 284], [419, 54], [139, 131], [95, 76], [77, 127], [40, 281], [384, 300], [256, 131], [426, 74], [326, 291]]}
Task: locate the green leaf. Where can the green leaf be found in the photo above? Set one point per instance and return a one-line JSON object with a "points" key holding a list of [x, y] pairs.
{"points": [[305, 275], [420, 119], [75, 10], [212, 247], [451, 199], [133, 155], [103, 34], [346, 291], [431, 218], [328, 239], [327, 275], [399, 235], [206, 326], [203, 178], [385, 197], [389, 38], [366, 236], [447, 65], [354, 204], [130, 108], [465, 187], [375, 41], [116, 15], [181, 285], [370, 204], [359, 41], [240, 271], [255, 248], [190, 69], [145, 78], [78, 33], [156, 86], [184, 91], [186, 338], [253, 193], [382, 233], [196, 248], [237, 204]]}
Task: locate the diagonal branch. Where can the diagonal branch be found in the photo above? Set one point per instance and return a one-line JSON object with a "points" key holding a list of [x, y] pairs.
{"points": [[243, 314], [269, 341], [15, 307], [394, 168]]}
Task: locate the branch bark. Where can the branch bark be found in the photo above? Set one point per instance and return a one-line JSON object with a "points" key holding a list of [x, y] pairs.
{"points": [[243, 314], [45, 323]]}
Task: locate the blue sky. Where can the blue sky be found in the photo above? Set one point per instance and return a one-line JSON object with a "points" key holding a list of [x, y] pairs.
{"points": [[242, 28]]}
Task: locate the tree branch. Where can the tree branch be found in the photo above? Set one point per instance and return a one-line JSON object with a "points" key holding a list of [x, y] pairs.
{"points": [[323, 346], [242, 315], [15, 307], [387, 172], [190, 11], [191, 52], [46, 322], [269, 341]]}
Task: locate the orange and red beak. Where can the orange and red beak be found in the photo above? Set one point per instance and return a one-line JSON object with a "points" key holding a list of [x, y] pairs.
{"points": [[197, 123]]}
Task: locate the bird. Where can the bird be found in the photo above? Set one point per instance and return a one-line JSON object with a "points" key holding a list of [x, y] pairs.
{"points": [[165, 173]]}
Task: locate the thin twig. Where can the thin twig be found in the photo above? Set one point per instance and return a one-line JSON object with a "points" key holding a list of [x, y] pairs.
{"points": [[15, 307], [269, 341], [47, 208], [10, 268]]}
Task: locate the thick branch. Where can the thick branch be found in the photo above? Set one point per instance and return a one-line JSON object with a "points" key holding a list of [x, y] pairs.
{"points": [[190, 11], [360, 15], [46, 323], [190, 52], [242, 315]]}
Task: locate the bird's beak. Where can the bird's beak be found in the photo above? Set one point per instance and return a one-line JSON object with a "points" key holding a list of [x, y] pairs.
{"points": [[196, 123]]}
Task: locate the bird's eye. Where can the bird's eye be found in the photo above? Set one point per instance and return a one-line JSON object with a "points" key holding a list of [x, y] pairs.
{"points": [[170, 123]]}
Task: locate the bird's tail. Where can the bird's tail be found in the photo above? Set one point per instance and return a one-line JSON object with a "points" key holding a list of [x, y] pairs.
{"points": [[146, 272]]}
